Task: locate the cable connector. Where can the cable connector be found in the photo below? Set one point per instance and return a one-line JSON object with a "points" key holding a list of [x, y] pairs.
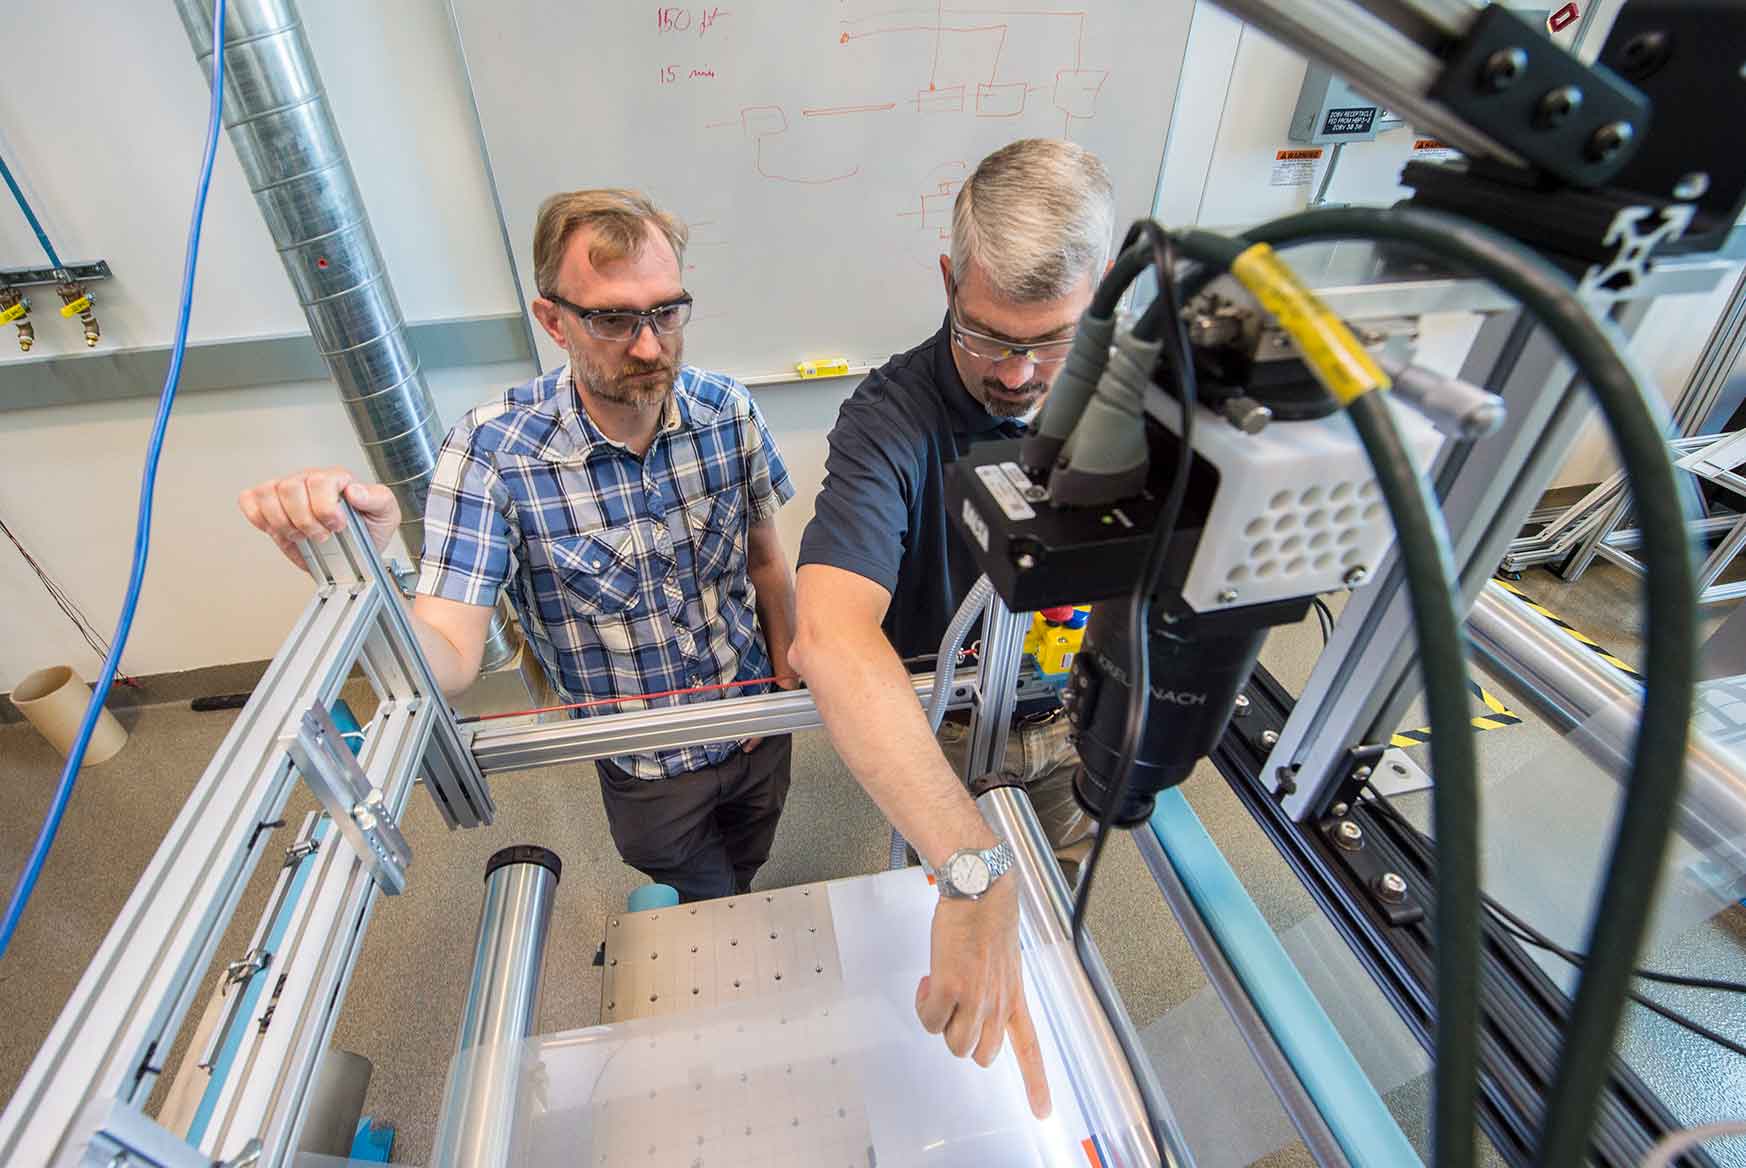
{"points": [[77, 301], [15, 310]]}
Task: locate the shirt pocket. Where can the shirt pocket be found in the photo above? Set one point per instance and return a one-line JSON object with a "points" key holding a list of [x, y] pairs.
{"points": [[598, 571], [718, 533]]}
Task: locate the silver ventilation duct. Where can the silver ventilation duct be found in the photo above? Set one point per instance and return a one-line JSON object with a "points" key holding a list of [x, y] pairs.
{"points": [[277, 113]]}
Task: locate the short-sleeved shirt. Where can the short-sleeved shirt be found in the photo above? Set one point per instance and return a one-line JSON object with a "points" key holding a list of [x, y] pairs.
{"points": [[628, 573], [882, 511]]}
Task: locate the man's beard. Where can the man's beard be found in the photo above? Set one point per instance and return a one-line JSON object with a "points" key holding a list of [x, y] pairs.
{"points": [[635, 383], [1004, 407]]}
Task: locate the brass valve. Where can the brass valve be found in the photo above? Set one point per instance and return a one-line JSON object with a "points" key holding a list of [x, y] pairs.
{"points": [[15, 310], [76, 301]]}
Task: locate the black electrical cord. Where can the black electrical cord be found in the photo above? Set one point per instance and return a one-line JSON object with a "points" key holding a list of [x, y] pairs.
{"points": [[1652, 792], [1324, 618], [1139, 600], [1162, 254], [88, 632], [1529, 935], [1429, 568]]}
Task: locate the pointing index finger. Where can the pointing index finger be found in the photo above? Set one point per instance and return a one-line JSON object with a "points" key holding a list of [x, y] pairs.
{"points": [[1030, 1058]]}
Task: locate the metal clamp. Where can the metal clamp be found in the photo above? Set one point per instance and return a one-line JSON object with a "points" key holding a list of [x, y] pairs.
{"points": [[332, 772], [240, 972]]}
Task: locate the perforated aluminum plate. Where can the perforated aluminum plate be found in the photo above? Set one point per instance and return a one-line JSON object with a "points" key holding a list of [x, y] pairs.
{"points": [[668, 960]]}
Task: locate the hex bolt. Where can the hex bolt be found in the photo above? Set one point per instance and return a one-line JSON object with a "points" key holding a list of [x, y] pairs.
{"points": [[1243, 705], [1356, 576], [1270, 738], [1227, 596], [1349, 835], [1391, 887], [1502, 68], [1556, 107], [1693, 186], [1611, 138], [1338, 810]]}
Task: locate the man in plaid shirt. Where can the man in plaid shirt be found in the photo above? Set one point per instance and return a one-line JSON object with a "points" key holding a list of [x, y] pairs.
{"points": [[627, 502]]}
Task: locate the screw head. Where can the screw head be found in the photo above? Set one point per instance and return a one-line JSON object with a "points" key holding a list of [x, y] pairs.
{"points": [[1227, 595], [1270, 738], [1502, 68], [1349, 835], [1339, 809], [1611, 138], [1035, 494], [1026, 561], [1362, 772], [1391, 887], [1356, 576], [1693, 186], [1556, 106], [1242, 705]]}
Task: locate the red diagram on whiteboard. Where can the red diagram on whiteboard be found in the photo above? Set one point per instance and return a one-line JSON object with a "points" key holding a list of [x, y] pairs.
{"points": [[965, 50], [964, 57]]}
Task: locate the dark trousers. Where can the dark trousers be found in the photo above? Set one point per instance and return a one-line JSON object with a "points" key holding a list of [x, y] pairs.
{"points": [[705, 832]]}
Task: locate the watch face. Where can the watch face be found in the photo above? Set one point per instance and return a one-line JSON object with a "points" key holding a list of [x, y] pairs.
{"points": [[969, 873]]}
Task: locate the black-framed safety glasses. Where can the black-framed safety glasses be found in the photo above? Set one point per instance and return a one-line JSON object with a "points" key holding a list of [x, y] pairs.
{"points": [[625, 324]]}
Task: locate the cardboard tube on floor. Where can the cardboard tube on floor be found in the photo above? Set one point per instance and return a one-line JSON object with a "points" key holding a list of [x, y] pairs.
{"points": [[54, 699]]}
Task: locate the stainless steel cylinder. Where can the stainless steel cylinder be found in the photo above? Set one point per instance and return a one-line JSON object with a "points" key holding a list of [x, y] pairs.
{"points": [[481, 1105], [1066, 1001], [1577, 692], [283, 130]]}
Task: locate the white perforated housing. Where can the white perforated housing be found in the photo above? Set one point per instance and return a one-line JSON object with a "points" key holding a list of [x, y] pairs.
{"points": [[1297, 507]]}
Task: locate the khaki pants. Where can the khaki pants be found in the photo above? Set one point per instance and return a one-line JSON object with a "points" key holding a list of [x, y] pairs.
{"points": [[1039, 757]]}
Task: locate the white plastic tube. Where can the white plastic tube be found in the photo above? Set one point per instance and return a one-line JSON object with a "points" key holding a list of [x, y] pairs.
{"points": [[54, 700]]}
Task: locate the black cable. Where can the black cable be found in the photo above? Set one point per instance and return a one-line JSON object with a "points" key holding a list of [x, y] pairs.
{"points": [[1423, 549], [1324, 618], [88, 632], [1533, 936], [1139, 615], [1652, 792], [1428, 564], [1527, 934], [1139, 600]]}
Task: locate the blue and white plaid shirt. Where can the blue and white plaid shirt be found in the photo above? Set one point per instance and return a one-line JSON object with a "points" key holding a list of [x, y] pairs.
{"points": [[629, 574]]}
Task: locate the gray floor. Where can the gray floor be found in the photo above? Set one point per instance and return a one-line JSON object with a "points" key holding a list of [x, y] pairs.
{"points": [[406, 997]]}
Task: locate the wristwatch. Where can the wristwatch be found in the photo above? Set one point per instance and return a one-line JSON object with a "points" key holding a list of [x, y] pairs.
{"points": [[967, 873]]}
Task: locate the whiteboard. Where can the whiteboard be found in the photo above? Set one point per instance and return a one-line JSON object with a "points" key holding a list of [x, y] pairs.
{"points": [[813, 147]]}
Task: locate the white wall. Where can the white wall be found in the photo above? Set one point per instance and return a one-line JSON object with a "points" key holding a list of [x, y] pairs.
{"points": [[114, 178], [119, 185]]}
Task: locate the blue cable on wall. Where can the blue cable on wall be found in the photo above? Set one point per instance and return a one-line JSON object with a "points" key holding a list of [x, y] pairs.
{"points": [[30, 216], [143, 529]]}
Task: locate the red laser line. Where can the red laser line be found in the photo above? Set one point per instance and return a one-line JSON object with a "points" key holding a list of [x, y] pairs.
{"points": [[666, 693]]}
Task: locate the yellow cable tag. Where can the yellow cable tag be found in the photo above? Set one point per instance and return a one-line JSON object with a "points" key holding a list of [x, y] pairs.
{"points": [[1333, 354], [76, 307], [7, 316]]}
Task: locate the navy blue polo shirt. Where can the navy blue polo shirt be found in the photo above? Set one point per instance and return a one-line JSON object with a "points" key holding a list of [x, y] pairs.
{"points": [[882, 510]]}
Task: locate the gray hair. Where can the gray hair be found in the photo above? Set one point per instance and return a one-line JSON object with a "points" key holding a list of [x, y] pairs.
{"points": [[1036, 216]]}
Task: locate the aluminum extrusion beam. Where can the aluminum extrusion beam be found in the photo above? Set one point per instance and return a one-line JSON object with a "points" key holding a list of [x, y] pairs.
{"points": [[522, 747], [1578, 692]]}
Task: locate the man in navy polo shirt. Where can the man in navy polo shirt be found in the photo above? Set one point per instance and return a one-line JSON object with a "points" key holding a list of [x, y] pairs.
{"points": [[882, 569]]}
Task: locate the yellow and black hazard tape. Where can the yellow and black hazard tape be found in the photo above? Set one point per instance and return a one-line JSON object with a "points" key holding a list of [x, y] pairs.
{"points": [[1496, 717], [1582, 639]]}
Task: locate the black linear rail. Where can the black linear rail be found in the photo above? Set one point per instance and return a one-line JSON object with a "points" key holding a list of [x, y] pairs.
{"points": [[1522, 1009]]}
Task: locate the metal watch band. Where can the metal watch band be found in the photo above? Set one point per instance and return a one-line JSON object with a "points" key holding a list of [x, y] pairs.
{"points": [[1000, 859]]}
